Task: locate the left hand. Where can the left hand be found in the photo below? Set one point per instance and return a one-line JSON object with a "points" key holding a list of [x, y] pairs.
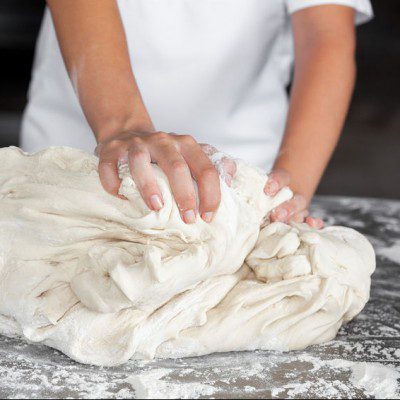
{"points": [[293, 210]]}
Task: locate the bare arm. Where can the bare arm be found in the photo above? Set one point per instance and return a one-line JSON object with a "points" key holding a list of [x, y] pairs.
{"points": [[93, 44], [324, 77], [94, 47]]}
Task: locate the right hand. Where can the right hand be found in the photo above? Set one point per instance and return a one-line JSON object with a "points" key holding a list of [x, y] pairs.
{"points": [[293, 210], [179, 156]]}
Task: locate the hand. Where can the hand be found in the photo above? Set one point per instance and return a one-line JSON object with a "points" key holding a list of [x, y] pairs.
{"points": [[179, 156], [294, 210]]}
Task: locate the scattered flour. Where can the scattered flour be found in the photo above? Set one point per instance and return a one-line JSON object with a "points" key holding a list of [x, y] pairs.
{"points": [[370, 380], [150, 385], [392, 252], [335, 378], [377, 380], [28, 371]]}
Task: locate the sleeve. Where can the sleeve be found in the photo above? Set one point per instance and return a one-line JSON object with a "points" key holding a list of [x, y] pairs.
{"points": [[363, 8]]}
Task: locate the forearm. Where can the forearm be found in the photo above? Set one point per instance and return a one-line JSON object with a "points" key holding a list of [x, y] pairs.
{"points": [[95, 52], [318, 107], [321, 92]]}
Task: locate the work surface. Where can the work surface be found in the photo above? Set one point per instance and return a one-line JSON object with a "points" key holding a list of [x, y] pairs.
{"points": [[363, 361]]}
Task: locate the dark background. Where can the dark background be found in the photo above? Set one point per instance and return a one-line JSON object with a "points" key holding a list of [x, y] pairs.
{"points": [[367, 161]]}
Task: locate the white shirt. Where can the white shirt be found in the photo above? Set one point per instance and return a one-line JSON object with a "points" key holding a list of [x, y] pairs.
{"points": [[215, 69]]}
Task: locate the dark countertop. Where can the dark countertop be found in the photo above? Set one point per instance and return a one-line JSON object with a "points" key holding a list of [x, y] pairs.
{"points": [[363, 361]]}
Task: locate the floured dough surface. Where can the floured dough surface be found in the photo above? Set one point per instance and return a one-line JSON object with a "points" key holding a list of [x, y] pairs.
{"points": [[105, 280]]}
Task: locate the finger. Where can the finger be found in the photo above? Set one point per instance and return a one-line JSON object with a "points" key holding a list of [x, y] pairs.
{"points": [[208, 149], [228, 165], [285, 211], [175, 167], [108, 173], [143, 174], [277, 179], [206, 176], [229, 168], [316, 223], [300, 216]]}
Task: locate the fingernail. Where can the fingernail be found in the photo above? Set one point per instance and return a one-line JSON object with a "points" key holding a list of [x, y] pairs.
{"points": [[281, 214], [156, 202], [271, 187], [189, 217], [207, 216]]}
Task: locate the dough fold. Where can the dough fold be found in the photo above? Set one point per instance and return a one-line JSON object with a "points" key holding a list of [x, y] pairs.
{"points": [[104, 279]]}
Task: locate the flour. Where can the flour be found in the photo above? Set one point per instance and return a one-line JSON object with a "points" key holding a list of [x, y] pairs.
{"points": [[28, 371], [366, 379], [371, 379], [150, 385], [392, 252], [379, 381]]}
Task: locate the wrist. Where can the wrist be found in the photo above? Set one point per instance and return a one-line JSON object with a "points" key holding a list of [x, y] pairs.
{"points": [[300, 184], [115, 126]]}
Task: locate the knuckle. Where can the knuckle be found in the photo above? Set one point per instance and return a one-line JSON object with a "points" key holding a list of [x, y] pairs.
{"points": [[160, 136], [187, 201], [209, 173], [147, 187], [187, 139], [113, 144], [135, 141], [178, 165], [137, 155]]}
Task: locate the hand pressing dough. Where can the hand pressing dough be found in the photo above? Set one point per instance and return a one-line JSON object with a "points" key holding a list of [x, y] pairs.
{"points": [[104, 279]]}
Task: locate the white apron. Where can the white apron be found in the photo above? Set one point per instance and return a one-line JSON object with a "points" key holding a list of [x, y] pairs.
{"points": [[215, 69]]}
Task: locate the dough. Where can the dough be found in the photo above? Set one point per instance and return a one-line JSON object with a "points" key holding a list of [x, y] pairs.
{"points": [[105, 280]]}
